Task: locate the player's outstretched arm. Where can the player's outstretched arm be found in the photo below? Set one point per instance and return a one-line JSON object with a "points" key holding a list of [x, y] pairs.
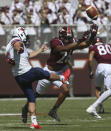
{"points": [[68, 47], [90, 39], [85, 42], [35, 53]]}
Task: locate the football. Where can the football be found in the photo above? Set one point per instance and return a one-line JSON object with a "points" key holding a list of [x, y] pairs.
{"points": [[92, 12]]}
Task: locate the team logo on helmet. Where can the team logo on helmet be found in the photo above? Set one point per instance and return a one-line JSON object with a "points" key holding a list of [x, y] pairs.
{"points": [[66, 33], [21, 33]]}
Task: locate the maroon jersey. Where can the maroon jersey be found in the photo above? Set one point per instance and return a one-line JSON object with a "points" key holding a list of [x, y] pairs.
{"points": [[102, 52], [58, 60]]}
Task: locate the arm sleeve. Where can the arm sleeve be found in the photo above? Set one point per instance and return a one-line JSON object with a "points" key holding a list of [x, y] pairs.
{"points": [[91, 48]]}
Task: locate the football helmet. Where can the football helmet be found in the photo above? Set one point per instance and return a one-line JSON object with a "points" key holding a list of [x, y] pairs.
{"points": [[97, 39], [21, 33], [65, 33]]}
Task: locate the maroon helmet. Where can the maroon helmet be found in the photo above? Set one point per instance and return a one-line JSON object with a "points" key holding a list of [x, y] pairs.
{"points": [[65, 33], [97, 39]]}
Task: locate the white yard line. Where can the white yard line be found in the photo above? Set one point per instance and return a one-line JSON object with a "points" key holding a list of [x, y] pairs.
{"points": [[10, 114]]}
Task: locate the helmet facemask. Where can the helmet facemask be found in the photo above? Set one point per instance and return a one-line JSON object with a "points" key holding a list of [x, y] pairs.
{"points": [[97, 40], [27, 42], [66, 35]]}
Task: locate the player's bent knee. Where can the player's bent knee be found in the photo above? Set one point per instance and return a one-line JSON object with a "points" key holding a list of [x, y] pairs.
{"points": [[65, 88], [31, 99]]}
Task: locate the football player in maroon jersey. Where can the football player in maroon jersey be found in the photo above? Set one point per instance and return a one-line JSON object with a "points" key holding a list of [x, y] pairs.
{"points": [[99, 90], [102, 54], [59, 59]]}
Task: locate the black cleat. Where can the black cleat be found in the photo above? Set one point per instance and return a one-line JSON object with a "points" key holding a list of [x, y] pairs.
{"points": [[24, 115], [101, 109], [53, 114]]}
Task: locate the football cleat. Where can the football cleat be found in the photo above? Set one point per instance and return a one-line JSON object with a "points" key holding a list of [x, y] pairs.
{"points": [[35, 126], [92, 110], [53, 114], [66, 75], [24, 114]]}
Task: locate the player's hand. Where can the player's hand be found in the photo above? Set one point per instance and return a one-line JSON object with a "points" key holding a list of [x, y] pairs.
{"points": [[91, 75], [94, 29], [84, 36], [44, 47], [11, 61]]}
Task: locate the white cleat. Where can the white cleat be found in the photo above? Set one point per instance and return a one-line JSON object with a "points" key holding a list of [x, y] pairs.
{"points": [[92, 111]]}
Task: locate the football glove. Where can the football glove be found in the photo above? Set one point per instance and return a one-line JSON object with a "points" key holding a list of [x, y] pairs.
{"points": [[11, 61], [85, 36], [91, 75], [94, 29]]}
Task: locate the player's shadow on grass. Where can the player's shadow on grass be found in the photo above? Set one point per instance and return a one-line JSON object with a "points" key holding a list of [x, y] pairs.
{"points": [[105, 113]]}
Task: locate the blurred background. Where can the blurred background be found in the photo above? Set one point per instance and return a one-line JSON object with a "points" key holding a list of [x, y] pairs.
{"points": [[42, 19]]}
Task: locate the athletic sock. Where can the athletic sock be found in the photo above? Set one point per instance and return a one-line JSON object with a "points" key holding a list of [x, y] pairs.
{"points": [[61, 77], [34, 120]]}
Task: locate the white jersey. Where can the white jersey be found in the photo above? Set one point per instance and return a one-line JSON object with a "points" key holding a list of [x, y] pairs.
{"points": [[22, 64]]}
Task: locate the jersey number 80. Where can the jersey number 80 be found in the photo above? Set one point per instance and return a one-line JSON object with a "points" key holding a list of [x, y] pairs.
{"points": [[103, 50]]}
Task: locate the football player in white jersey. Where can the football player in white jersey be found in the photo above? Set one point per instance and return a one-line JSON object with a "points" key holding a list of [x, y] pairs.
{"points": [[24, 73], [56, 55]]}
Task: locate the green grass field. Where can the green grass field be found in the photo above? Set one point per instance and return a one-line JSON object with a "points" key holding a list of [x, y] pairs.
{"points": [[72, 114]]}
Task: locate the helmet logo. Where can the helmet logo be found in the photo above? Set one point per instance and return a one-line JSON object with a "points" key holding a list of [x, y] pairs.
{"points": [[22, 29], [68, 31]]}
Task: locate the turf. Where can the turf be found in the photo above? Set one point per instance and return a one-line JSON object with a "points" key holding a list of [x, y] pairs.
{"points": [[72, 114]]}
